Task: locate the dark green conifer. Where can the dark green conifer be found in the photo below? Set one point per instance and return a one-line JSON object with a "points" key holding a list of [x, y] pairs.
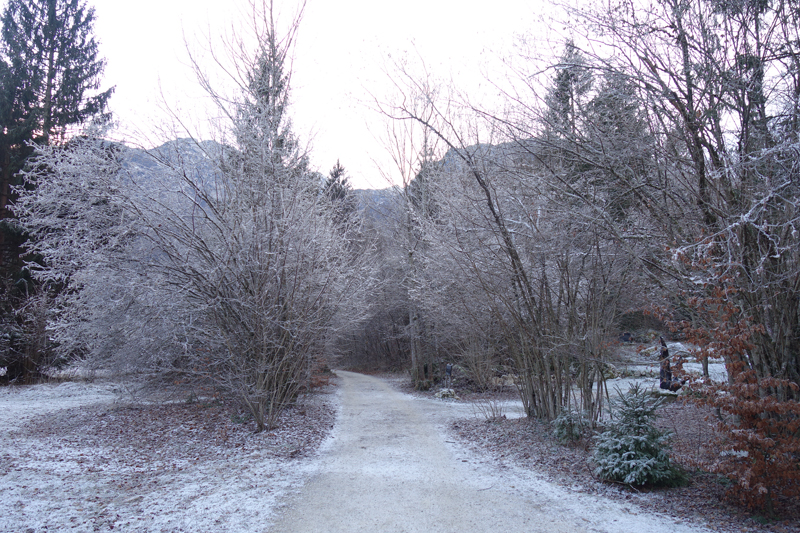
{"points": [[50, 73]]}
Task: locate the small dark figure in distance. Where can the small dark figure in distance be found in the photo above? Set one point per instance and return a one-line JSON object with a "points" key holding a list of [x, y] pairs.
{"points": [[626, 337], [665, 375]]}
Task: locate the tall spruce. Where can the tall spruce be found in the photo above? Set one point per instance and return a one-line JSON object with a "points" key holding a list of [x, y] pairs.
{"points": [[339, 192], [50, 80], [570, 86], [337, 184], [50, 74], [620, 146]]}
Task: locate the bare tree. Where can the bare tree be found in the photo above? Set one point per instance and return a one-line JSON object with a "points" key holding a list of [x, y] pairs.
{"points": [[719, 82], [236, 244], [522, 250], [414, 151]]}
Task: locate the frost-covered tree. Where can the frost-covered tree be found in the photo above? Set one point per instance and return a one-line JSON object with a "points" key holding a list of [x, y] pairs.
{"points": [[230, 244], [720, 92], [50, 73], [254, 246], [91, 251], [515, 257], [339, 192], [568, 92]]}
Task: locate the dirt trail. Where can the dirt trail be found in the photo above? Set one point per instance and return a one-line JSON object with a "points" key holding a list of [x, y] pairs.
{"points": [[389, 468]]}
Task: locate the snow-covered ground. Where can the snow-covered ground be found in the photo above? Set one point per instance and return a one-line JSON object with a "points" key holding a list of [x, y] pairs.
{"points": [[19, 405], [82, 457], [78, 457]]}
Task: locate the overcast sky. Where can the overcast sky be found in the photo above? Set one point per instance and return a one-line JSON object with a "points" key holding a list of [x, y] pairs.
{"points": [[340, 60]]}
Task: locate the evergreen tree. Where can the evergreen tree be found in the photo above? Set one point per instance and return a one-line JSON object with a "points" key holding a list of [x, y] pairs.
{"points": [[49, 82], [50, 70], [564, 116], [571, 84], [51, 48], [263, 129], [336, 185], [621, 147], [339, 192], [633, 450], [419, 190]]}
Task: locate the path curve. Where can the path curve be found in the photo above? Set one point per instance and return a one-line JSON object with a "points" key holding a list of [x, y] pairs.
{"points": [[388, 468]]}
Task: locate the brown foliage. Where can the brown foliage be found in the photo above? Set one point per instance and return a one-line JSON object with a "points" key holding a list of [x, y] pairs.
{"points": [[759, 415], [761, 431]]}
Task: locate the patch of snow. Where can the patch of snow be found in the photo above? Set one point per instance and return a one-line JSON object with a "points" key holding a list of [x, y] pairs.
{"points": [[19, 403], [716, 370], [57, 474]]}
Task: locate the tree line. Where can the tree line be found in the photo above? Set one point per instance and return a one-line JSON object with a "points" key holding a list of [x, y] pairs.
{"points": [[651, 168]]}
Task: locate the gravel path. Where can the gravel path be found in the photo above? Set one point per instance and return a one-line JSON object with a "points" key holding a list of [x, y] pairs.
{"points": [[389, 467]]}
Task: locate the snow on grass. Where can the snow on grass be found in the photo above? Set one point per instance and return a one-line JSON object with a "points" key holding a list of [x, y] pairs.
{"points": [[19, 403], [73, 456]]}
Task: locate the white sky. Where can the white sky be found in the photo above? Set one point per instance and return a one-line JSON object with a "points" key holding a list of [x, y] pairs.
{"points": [[340, 60]]}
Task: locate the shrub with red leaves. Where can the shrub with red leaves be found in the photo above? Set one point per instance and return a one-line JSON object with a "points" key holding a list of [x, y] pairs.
{"points": [[761, 436]]}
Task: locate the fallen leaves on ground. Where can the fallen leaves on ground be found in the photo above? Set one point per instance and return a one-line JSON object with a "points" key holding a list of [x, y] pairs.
{"points": [[185, 466], [529, 444]]}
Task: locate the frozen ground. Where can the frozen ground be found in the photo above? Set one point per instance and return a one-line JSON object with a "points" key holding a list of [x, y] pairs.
{"points": [[80, 457], [19, 405]]}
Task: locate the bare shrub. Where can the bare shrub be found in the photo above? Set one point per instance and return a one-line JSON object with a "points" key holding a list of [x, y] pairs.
{"points": [[489, 408], [478, 361]]}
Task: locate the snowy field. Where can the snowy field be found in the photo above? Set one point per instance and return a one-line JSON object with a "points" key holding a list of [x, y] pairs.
{"points": [[79, 457]]}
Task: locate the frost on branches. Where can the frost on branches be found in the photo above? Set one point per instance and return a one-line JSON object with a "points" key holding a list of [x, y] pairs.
{"points": [[87, 244], [218, 259]]}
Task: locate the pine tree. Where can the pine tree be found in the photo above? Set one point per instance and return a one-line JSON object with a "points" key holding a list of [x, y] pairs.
{"points": [[565, 113], [53, 41], [571, 84], [633, 450], [336, 185], [50, 77], [621, 147], [339, 192], [49, 83], [419, 190]]}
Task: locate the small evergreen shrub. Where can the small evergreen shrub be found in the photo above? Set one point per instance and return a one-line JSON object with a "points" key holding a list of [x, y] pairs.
{"points": [[632, 450], [568, 426]]}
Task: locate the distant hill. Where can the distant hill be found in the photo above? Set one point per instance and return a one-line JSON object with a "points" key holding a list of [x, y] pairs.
{"points": [[380, 205], [198, 156]]}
